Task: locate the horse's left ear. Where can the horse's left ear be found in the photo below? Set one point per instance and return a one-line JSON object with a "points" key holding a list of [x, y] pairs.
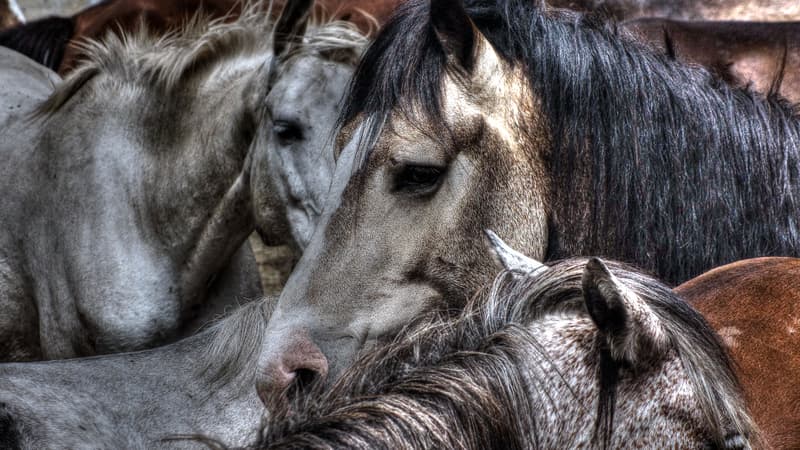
{"points": [[291, 25], [630, 327], [455, 31]]}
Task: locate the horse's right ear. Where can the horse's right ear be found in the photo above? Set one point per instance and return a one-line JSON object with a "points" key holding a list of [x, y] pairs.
{"points": [[291, 24], [455, 31], [631, 329]]}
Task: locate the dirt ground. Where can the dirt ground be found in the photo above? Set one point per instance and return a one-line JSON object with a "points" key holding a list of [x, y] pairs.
{"points": [[274, 263]]}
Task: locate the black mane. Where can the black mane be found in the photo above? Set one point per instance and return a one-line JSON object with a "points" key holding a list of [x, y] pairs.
{"points": [[682, 172], [43, 40]]}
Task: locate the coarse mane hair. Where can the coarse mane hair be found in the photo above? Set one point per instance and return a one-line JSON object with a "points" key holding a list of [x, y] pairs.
{"points": [[458, 380], [163, 62], [650, 161]]}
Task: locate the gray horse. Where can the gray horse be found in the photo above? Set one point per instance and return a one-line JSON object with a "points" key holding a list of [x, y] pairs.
{"points": [[130, 190], [141, 399], [583, 354]]}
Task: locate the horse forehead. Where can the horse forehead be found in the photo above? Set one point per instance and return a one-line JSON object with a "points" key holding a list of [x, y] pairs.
{"points": [[312, 80]]}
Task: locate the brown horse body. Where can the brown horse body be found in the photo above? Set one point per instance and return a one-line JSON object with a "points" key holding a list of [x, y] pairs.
{"points": [[772, 10], [762, 53], [754, 305]]}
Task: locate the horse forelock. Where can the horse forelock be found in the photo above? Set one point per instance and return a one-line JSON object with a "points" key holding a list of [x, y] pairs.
{"points": [[336, 41], [453, 359]]}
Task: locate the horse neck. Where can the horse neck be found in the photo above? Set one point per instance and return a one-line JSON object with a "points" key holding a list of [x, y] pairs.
{"points": [[667, 164], [151, 187]]}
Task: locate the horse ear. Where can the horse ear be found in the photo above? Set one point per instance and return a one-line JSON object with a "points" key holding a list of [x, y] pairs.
{"points": [[455, 31], [631, 329], [511, 259], [463, 43], [291, 24]]}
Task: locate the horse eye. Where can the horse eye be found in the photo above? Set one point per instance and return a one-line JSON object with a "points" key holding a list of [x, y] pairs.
{"points": [[287, 132], [418, 180]]}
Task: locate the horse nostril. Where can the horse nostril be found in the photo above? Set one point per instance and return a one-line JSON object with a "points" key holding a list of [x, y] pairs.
{"points": [[300, 366], [305, 379]]}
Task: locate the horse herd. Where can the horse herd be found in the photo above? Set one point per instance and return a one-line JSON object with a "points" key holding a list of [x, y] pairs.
{"points": [[424, 155]]}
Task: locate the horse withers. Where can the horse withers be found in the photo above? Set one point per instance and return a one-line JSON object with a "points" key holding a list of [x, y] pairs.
{"points": [[136, 183], [550, 127]]}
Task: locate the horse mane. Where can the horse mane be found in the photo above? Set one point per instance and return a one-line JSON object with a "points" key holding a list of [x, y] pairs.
{"points": [[234, 346], [164, 62], [634, 131], [458, 380], [41, 40]]}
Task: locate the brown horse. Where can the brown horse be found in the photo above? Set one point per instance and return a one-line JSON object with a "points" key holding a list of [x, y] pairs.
{"points": [[755, 307], [762, 53], [772, 10], [46, 40]]}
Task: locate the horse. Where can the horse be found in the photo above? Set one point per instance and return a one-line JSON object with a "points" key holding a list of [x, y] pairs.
{"points": [[755, 306], [543, 343], [562, 134], [130, 191], [136, 400], [10, 14], [764, 54], [745, 10], [55, 41], [581, 354], [203, 383]]}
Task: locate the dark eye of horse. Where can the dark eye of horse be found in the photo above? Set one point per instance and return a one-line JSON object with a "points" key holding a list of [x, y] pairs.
{"points": [[287, 132], [418, 180]]}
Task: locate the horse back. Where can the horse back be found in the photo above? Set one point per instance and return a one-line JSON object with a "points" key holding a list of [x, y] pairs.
{"points": [[754, 305], [761, 53]]}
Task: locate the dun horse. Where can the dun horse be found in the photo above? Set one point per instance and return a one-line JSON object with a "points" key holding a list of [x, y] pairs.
{"points": [[139, 179], [579, 355], [547, 126]]}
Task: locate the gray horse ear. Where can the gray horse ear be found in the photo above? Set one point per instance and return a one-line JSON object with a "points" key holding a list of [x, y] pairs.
{"points": [[510, 258], [455, 31], [632, 330], [291, 24]]}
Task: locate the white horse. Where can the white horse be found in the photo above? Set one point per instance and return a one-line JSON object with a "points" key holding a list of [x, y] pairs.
{"points": [[130, 191]]}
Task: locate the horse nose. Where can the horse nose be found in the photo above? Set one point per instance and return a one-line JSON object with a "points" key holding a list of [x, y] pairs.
{"points": [[300, 362]]}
